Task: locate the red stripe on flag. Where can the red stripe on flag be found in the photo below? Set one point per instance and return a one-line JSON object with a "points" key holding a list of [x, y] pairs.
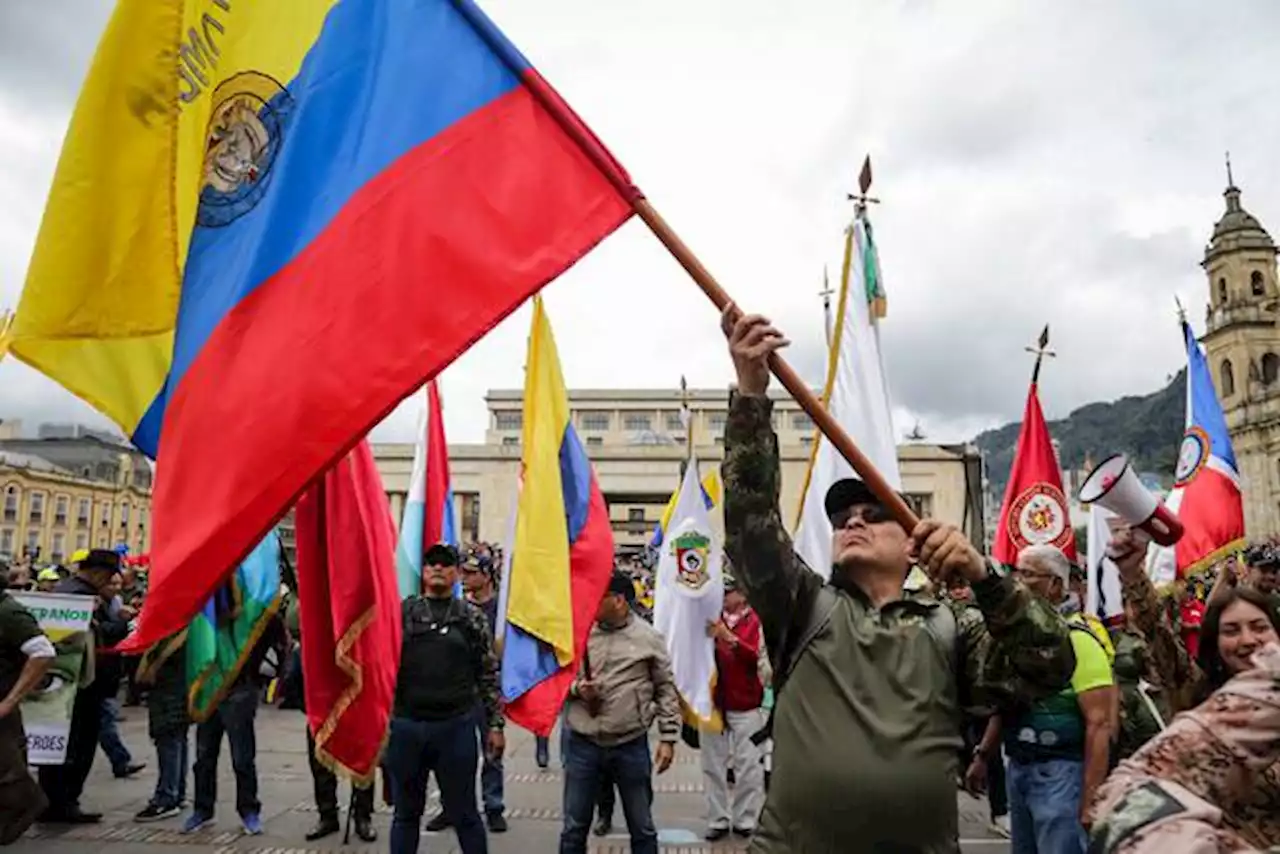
{"points": [[423, 262]]}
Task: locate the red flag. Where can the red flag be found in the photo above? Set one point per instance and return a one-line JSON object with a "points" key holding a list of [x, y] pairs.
{"points": [[1034, 509], [349, 609]]}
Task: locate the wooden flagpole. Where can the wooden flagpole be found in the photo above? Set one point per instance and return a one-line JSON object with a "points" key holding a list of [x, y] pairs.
{"points": [[591, 147]]}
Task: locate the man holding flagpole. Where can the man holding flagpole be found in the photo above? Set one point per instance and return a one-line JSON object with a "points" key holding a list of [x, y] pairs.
{"points": [[880, 667]]}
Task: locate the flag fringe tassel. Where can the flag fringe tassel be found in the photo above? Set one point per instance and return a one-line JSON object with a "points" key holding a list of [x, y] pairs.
{"points": [[348, 665]]}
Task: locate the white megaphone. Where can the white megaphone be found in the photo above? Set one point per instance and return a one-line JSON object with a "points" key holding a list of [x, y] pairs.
{"points": [[1115, 486]]}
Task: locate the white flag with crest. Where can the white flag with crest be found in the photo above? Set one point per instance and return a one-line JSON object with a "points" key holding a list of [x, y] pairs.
{"points": [[689, 593]]}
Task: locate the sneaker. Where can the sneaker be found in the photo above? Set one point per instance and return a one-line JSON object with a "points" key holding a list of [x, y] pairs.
{"points": [[603, 827], [715, 834], [196, 823], [155, 812], [497, 822], [130, 770], [439, 823], [252, 824], [1001, 826]]}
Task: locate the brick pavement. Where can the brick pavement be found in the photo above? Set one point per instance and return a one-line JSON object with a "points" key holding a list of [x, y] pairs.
{"points": [[533, 806]]}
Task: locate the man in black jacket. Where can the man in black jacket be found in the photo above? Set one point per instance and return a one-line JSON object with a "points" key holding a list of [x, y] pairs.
{"points": [[63, 784], [448, 669]]}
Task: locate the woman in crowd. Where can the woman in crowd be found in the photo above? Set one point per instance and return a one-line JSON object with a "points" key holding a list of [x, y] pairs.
{"points": [[1210, 781]]}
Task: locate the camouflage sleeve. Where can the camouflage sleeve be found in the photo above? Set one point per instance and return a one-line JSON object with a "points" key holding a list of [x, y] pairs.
{"points": [[1028, 655], [975, 646], [488, 668], [1169, 660], [778, 585]]}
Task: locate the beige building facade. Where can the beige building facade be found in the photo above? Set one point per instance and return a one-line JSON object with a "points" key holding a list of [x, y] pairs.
{"points": [[637, 443], [1242, 346], [48, 512]]}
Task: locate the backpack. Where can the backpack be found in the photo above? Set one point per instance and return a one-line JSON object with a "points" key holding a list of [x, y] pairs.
{"points": [[941, 624]]}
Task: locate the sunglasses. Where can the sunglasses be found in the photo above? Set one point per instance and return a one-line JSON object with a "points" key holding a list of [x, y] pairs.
{"points": [[869, 514]]}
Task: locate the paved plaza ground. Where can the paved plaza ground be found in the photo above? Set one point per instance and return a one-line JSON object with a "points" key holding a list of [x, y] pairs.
{"points": [[533, 806]]}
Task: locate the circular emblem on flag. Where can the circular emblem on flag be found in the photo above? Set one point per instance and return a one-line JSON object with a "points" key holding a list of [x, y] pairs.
{"points": [[691, 551], [1193, 453], [1038, 517], [246, 130]]}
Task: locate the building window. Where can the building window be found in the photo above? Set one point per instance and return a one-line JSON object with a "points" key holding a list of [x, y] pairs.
{"points": [[1228, 376], [11, 497], [510, 441], [6, 543], [60, 510], [59, 547], [512, 420], [82, 541], [1222, 291], [104, 514], [594, 441], [36, 514], [801, 421], [124, 514], [471, 516], [637, 421], [1270, 368], [635, 514], [920, 503], [806, 439], [674, 422], [32, 549], [717, 421], [596, 421], [83, 509], [1256, 284]]}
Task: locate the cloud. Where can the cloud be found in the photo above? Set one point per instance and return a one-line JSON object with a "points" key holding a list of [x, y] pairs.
{"points": [[1036, 163]]}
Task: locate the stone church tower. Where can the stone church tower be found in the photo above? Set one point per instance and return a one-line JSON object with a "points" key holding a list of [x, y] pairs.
{"points": [[1242, 345]]}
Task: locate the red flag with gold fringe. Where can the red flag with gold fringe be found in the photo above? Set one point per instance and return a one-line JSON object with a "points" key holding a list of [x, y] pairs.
{"points": [[349, 612]]}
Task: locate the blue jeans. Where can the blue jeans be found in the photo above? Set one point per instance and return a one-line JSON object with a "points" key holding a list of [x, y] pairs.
{"points": [[1044, 806], [171, 757], [631, 769], [109, 737], [490, 771], [450, 749], [234, 717]]}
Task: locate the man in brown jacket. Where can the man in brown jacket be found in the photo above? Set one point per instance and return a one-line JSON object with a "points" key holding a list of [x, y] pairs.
{"points": [[624, 686]]}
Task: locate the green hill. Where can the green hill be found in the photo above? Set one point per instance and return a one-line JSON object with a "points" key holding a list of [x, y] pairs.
{"points": [[1148, 429]]}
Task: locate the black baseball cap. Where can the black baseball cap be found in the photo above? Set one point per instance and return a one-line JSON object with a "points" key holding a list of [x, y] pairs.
{"points": [[101, 559], [441, 554], [847, 492]]}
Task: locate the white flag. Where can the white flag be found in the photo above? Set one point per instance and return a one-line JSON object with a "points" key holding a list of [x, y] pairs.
{"points": [[856, 394], [689, 593], [1104, 598]]}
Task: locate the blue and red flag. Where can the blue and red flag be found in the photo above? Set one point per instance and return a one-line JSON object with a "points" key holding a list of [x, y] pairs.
{"points": [[1206, 493], [562, 557], [428, 516], [308, 209]]}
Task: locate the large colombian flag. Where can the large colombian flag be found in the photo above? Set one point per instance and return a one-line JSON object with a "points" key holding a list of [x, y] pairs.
{"points": [[271, 222], [563, 554]]}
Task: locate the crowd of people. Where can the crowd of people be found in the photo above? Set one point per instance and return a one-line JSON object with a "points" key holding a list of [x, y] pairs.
{"points": [[1161, 732]]}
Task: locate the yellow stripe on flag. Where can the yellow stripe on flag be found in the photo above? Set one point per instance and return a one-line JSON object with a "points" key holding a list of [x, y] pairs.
{"points": [[540, 599]]}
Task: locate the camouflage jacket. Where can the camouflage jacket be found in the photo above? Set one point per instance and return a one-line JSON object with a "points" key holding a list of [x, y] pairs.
{"points": [[1139, 696], [1209, 783], [878, 676], [1168, 666]]}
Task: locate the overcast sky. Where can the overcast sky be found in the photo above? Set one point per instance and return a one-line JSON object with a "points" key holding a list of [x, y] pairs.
{"points": [[1038, 162]]}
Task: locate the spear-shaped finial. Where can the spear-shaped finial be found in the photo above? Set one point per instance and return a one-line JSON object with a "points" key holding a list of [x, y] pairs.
{"points": [[1230, 181], [1040, 351], [1182, 312], [861, 200]]}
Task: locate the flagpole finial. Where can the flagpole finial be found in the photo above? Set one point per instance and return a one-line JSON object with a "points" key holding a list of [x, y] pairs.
{"points": [[1182, 312], [861, 199], [1230, 180], [1040, 351]]}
